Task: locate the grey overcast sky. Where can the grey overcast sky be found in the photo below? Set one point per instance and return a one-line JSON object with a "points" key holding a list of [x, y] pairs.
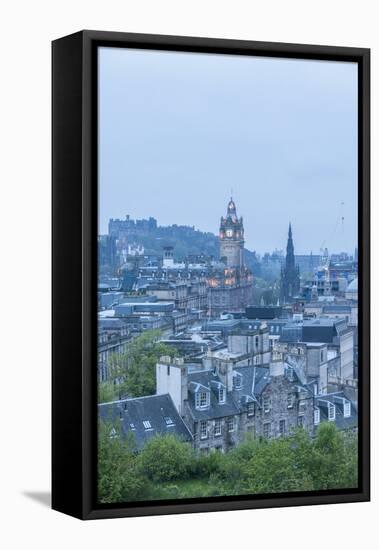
{"points": [[178, 131]]}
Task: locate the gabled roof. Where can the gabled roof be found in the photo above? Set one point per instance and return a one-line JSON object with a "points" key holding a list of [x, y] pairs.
{"points": [[210, 381], [337, 399], [158, 412]]}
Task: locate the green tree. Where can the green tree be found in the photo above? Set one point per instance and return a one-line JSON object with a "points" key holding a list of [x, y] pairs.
{"points": [[165, 458], [119, 478], [334, 459], [272, 467], [133, 372]]}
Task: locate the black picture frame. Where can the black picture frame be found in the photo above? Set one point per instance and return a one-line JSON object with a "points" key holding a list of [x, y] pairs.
{"points": [[74, 268]]}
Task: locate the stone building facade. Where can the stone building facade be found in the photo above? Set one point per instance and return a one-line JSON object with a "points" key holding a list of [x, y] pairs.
{"points": [[225, 399]]}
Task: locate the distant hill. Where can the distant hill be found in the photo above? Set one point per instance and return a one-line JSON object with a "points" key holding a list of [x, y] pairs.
{"points": [[186, 241]]}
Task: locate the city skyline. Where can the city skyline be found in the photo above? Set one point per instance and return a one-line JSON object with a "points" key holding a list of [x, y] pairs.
{"points": [[276, 248], [272, 127]]}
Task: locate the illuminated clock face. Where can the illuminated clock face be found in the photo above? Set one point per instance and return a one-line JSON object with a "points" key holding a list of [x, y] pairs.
{"points": [[229, 232]]}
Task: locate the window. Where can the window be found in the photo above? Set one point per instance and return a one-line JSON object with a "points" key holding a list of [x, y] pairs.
{"points": [[256, 342], [266, 404], [302, 404], [290, 400], [221, 395], [168, 370], [300, 421], [132, 426], [267, 429], [202, 399], [250, 409], [203, 429], [168, 420], [218, 430], [346, 409], [146, 424], [230, 424], [316, 416], [238, 381], [282, 427], [331, 412]]}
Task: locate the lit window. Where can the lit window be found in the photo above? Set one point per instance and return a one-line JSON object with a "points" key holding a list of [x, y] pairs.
{"points": [[250, 409], [331, 412], [267, 429], [316, 416], [146, 424], [282, 427], [218, 427], [203, 429], [346, 409], [230, 424]]}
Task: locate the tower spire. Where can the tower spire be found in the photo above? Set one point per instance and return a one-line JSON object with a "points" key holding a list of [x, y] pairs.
{"points": [[290, 279]]}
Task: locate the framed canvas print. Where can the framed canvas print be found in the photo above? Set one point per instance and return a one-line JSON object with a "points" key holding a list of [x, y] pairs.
{"points": [[210, 274]]}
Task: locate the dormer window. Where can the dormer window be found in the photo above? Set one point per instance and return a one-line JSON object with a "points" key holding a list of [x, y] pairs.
{"points": [[221, 395], [331, 412], [202, 399], [237, 381], [346, 409]]}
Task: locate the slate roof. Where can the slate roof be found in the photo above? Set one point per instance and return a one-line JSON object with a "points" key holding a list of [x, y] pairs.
{"points": [[254, 380], [158, 411], [207, 379], [340, 421]]}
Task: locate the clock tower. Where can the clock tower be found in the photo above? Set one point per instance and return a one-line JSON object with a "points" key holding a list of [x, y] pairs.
{"points": [[231, 237]]}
